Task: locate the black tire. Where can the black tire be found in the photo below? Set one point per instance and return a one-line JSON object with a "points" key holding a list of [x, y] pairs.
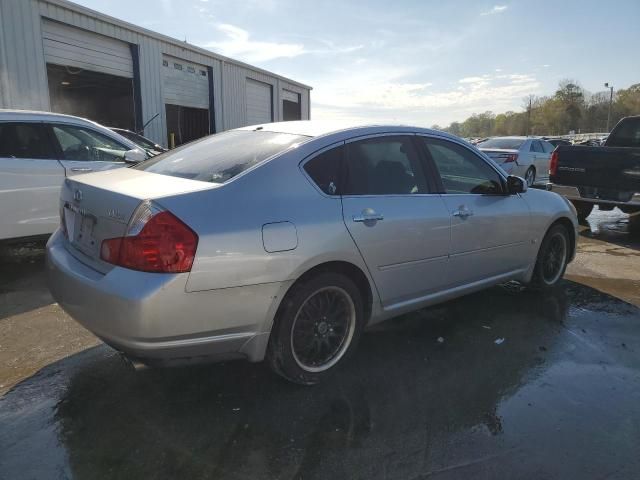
{"points": [[550, 265], [530, 176], [287, 360], [583, 209]]}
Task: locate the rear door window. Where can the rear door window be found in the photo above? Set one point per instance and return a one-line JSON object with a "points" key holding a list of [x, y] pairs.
{"points": [[25, 140], [388, 165], [218, 158]]}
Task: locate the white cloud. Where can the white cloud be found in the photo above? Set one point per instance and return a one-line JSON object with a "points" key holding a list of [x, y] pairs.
{"points": [[390, 99], [471, 80], [494, 10], [238, 44]]}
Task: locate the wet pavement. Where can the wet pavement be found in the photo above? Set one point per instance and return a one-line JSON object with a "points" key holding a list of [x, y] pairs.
{"points": [[522, 385]]}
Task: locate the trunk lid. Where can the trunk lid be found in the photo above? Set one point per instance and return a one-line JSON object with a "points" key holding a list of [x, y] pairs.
{"points": [[99, 205]]}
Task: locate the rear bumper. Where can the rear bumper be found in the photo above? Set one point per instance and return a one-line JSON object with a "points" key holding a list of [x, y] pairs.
{"points": [[572, 193], [150, 316]]}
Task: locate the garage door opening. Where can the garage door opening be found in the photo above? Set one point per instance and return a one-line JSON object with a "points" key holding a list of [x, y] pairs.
{"points": [[291, 106], [185, 124], [103, 98]]}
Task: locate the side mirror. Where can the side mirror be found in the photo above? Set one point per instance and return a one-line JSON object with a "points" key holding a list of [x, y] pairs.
{"points": [[516, 185], [134, 156]]}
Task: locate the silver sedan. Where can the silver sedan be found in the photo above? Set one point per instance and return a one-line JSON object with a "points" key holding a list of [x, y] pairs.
{"points": [[284, 241]]}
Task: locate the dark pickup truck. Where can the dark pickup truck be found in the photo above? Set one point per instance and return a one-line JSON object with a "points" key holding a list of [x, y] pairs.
{"points": [[607, 176]]}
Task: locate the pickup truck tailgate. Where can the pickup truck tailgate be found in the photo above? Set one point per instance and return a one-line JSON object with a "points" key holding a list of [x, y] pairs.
{"points": [[600, 167]]}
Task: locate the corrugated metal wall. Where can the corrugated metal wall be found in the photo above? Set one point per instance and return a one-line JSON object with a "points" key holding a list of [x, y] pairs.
{"points": [[23, 74]]}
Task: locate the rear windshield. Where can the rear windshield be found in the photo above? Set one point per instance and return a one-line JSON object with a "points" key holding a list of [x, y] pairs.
{"points": [[506, 143], [626, 134], [219, 158]]}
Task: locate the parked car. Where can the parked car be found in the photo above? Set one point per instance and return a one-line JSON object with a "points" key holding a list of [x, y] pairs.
{"points": [[523, 156], [607, 176], [38, 150], [285, 240], [150, 147]]}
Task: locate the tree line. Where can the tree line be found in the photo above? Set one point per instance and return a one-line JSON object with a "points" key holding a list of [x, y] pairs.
{"points": [[571, 108]]}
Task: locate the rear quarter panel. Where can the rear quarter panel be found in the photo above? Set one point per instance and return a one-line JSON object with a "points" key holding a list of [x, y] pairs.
{"points": [[229, 223]]}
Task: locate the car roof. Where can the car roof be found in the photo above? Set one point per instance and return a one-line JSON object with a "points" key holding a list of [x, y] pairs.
{"points": [[319, 128], [6, 114]]}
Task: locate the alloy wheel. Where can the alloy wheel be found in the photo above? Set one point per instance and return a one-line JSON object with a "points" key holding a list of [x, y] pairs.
{"points": [[530, 176], [323, 328], [554, 258]]}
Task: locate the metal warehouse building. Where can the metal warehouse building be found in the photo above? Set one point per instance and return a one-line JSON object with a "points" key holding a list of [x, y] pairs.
{"points": [[61, 57]]}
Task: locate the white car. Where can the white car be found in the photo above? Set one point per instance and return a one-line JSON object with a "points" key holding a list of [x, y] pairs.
{"points": [[38, 150], [526, 157]]}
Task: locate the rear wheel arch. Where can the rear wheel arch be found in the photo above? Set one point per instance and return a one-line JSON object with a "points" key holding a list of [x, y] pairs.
{"points": [[353, 272]]}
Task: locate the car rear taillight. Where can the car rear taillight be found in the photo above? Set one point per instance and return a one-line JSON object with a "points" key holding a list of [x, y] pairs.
{"points": [[156, 241], [510, 158], [553, 163]]}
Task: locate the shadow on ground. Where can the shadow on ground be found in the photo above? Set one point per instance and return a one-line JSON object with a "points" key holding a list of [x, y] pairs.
{"points": [[522, 385], [22, 278]]}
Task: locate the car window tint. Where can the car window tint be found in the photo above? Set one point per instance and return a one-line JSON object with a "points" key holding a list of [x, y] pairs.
{"points": [[218, 158], [84, 144], [324, 170], [383, 166], [25, 140], [461, 170]]}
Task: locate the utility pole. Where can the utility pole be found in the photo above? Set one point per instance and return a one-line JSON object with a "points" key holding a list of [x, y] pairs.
{"points": [[529, 115], [610, 102]]}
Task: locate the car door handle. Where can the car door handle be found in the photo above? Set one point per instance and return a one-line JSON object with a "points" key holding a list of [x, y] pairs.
{"points": [[82, 169], [462, 213], [368, 217]]}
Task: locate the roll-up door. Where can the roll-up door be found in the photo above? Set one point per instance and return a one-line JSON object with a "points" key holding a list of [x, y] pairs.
{"points": [[73, 47], [184, 83], [291, 105], [259, 104]]}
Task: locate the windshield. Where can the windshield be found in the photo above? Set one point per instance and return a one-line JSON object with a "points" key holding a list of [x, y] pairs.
{"points": [[137, 139], [502, 142], [218, 158]]}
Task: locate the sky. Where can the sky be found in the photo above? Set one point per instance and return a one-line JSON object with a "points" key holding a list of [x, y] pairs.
{"points": [[417, 62]]}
